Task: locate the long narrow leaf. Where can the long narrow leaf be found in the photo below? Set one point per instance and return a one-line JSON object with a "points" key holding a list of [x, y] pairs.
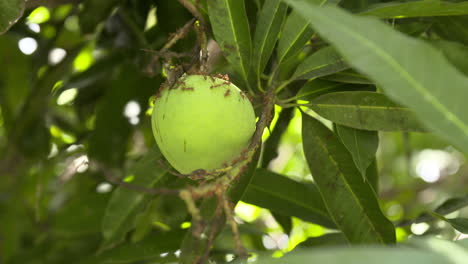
{"points": [[361, 144], [10, 12], [296, 33], [417, 9], [349, 199], [359, 255], [410, 71], [268, 28], [365, 110], [124, 201], [231, 29], [321, 63], [288, 197]]}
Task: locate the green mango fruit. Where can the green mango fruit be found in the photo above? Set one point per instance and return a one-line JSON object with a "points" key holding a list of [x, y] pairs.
{"points": [[202, 122]]}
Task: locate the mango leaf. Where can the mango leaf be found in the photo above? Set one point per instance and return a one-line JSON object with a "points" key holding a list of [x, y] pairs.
{"points": [[460, 224], [372, 175], [348, 76], [357, 5], [317, 87], [327, 240], [231, 30], [287, 197], [350, 200], [296, 33], [14, 88], [446, 248], [360, 255], [452, 205], [324, 62], [124, 202], [148, 249], [284, 221], [454, 52], [449, 206], [270, 146], [365, 110], [11, 11], [463, 243], [362, 145], [269, 24], [416, 78], [81, 215], [452, 28], [417, 9]]}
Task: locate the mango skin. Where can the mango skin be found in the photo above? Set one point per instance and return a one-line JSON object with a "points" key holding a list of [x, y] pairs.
{"points": [[202, 122]]}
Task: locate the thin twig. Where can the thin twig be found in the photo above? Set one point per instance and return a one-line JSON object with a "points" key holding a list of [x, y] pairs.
{"points": [[228, 210], [173, 39], [193, 10], [215, 225]]}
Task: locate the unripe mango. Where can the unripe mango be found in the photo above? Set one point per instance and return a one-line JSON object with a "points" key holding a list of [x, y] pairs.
{"points": [[202, 122]]}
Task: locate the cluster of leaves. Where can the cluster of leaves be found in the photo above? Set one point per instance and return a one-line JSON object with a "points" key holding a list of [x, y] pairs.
{"points": [[347, 71]]}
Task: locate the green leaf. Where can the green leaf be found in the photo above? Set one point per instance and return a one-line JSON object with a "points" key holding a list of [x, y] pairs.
{"points": [[124, 202], [452, 205], [372, 175], [350, 200], [284, 221], [327, 240], [11, 11], [423, 8], [324, 62], [349, 76], [295, 34], [362, 255], [452, 28], [449, 206], [269, 24], [287, 197], [231, 30], [318, 87], [362, 145], [460, 224], [448, 249], [81, 215], [455, 52], [463, 243], [14, 88], [365, 110], [148, 249], [270, 146], [416, 78]]}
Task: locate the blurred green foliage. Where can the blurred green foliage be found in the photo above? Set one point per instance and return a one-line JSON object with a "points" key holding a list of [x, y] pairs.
{"points": [[77, 80]]}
